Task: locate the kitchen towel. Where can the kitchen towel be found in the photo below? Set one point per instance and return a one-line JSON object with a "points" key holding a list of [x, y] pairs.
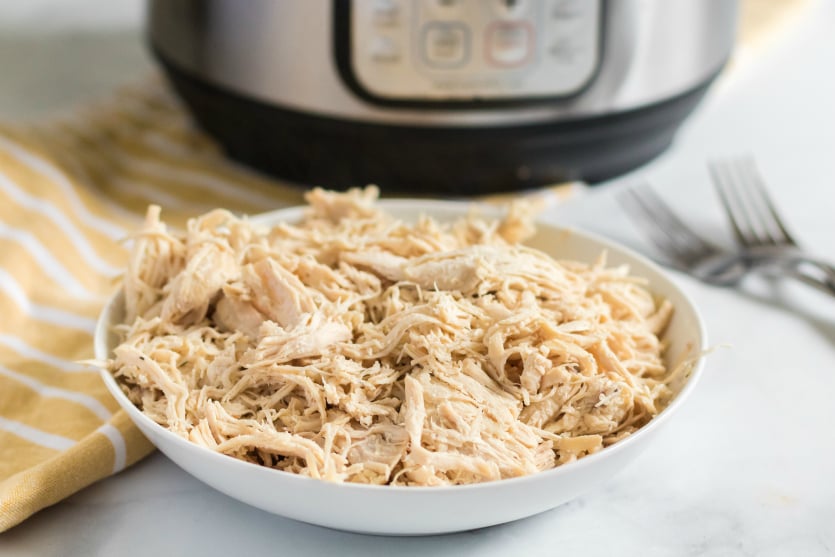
{"points": [[71, 192]]}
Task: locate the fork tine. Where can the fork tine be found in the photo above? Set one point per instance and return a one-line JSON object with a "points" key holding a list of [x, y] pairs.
{"points": [[646, 221], [759, 190], [751, 203], [673, 224], [663, 226], [723, 182]]}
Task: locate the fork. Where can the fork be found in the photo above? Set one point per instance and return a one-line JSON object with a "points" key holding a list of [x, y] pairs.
{"points": [[757, 226], [685, 249]]}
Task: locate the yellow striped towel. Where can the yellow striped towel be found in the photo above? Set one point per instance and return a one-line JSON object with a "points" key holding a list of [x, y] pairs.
{"points": [[71, 191]]}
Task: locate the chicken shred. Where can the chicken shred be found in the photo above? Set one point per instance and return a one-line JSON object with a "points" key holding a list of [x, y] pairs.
{"points": [[353, 347]]}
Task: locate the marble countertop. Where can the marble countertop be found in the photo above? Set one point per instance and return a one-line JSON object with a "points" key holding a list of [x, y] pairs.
{"points": [[747, 467]]}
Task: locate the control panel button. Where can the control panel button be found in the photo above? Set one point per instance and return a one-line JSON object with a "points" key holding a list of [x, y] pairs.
{"points": [[445, 44], [565, 51], [386, 12], [568, 9], [384, 50], [447, 4], [470, 50], [443, 9], [509, 43], [511, 8]]}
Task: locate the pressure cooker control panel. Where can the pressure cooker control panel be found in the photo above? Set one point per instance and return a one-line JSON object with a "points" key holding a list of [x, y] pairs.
{"points": [[471, 50]]}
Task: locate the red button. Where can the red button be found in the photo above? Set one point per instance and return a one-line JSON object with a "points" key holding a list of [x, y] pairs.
{"points": [[509, 43]]}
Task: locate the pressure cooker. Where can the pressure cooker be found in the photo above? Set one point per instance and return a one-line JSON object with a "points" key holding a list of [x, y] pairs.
{"points": [[451, 97]]}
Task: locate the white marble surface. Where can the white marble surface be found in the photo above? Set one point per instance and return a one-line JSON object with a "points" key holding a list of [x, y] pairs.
{"points": [[746, 468]]}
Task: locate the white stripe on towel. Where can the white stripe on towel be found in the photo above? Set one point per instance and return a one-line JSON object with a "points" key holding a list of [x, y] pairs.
{"points": [[57, 177], [51, 267], [60, 220], [86, 401], [48, 314], [120, 450], [30, 352], [37, 436]]}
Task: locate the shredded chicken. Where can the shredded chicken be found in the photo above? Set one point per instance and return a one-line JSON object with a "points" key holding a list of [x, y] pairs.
{"points": [[354, 347]]}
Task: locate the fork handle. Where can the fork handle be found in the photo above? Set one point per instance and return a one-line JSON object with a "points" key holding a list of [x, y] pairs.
{"points": [[793, 258], [825, 268], [802, 269], [824, 285], [818, 271]]}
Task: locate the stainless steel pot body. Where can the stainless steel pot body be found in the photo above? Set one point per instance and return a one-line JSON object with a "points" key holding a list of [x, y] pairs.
{"points": [[449, 66]]}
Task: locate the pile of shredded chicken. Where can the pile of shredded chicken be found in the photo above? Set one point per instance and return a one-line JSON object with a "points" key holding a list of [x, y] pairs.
{"points": [[355, 347]]}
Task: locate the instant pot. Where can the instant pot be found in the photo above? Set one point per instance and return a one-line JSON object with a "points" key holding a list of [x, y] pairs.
{"points": [[442, 96]]}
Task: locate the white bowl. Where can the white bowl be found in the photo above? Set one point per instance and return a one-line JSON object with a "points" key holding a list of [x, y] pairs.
{"points": [[396, 510]]}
